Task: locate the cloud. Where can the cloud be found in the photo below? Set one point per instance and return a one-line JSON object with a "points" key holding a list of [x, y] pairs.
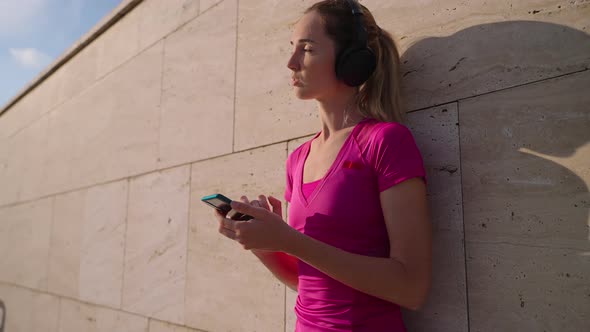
{"points": [[30, 57]]}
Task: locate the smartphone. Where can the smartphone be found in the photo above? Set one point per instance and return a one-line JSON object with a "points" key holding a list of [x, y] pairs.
{"points": [[222, 203]]}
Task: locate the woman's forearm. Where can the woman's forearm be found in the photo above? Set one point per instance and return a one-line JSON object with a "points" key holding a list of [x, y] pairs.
{"points": [[281, 265], [385, 278]]}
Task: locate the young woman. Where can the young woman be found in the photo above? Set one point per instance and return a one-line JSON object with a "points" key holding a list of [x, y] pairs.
{"points": [[358, 243]]}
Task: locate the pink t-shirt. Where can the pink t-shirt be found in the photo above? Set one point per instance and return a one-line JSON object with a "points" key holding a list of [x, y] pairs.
{"points": [[343, 210]]}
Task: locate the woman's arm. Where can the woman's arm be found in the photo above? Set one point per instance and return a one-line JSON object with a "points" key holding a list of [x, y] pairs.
{"points": [[403, 278], [281, 265]]}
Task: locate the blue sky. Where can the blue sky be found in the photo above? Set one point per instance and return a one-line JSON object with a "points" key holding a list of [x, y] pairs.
{"points": [[33, 33]]}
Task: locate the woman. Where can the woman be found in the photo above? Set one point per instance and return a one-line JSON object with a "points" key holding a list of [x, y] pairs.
{"points": [[358, 242]]}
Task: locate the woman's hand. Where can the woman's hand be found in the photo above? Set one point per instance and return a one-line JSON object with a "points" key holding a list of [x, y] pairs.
{"points": [[266, 232]]}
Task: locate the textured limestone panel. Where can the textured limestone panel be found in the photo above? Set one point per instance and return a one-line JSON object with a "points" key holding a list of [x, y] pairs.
{"points": [[34, 156], [27, 110], [102, 244], [290, 317], [456, 49], [79, 73], [207, 4], [159, 326], [527, 288], [64, 254], [75, 317], [11, 167], [436, 132], [28, 311], [198, 91], [119, 43], [156, 245], [525, 183], [158, 18], [446, 306], [15, 119], [223, 278], [117, 123], [437, 136], [25, 233], [525, 159], [264, 98], [63, 126]]}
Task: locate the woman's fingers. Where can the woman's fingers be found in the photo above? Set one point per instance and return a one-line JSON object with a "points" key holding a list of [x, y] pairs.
{"points": [[226, 228], [263, 202], [276, 206], [245, 199]]}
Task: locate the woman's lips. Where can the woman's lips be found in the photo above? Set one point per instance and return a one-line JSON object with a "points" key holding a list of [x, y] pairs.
{"points": [[296, 82]]}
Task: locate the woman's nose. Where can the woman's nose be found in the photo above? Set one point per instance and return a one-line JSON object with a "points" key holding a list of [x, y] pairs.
{"points": [[293, 63]]}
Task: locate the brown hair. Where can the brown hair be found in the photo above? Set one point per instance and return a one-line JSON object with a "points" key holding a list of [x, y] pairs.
{"points": [[380, 97]]}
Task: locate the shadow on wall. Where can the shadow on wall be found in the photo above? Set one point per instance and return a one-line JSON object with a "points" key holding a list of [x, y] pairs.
{"points": [[517, 187]]}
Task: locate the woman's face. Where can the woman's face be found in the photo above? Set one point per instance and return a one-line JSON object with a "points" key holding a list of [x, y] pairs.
{"points": [[312, 61]]}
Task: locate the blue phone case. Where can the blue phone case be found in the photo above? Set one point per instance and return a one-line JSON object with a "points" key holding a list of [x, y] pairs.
{"points": [[222, 203]]}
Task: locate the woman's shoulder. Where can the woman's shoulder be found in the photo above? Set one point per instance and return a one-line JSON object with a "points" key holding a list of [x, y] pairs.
{"points": [[376, 132]]}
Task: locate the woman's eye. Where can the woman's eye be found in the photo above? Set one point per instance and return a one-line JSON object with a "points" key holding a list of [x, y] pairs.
{"points": [[306, 50]]}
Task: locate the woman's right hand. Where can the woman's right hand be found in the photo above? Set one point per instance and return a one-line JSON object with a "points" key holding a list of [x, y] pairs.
{"points": [[262, 202]]}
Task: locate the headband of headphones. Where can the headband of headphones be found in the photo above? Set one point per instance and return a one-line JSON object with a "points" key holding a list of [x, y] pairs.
{"points": [[360, 34]]}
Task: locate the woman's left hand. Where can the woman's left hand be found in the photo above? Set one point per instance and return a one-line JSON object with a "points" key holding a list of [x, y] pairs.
{"points": [[266, 231]]}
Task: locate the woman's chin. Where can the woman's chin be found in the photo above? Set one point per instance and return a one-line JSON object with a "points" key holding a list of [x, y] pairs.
{"points": [[301, 93]]}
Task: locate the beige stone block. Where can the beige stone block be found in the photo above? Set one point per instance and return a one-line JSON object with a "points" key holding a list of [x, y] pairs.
{"points": [[446, 306], [198, 92], [64, 124], [79, 73], [156, 245], [207, 4], [223, 278], [290, 316], [436, 132], [28, 109], [158, 18], [18, 117], [28, 311], [516, 287], [264, 98], [11, 121], [64, 257], [525, 158], [25, 233], [76, 317], [35, 155], [456, 49], [117, 123], [103, 244], [118, 44], [159, 326], [87, 244], [11, 167]]}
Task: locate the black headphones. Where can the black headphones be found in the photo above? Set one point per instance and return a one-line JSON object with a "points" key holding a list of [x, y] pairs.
{"points": [[356, 63]]}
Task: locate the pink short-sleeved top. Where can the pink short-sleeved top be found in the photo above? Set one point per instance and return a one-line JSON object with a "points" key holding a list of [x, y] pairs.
{"points": [[343, 210]]}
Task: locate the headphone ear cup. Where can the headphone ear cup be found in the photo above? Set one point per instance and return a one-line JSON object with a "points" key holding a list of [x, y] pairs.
{"points": [[354, 66]]}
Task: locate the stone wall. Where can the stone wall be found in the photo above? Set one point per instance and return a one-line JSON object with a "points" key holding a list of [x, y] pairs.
{"points": [[103, 163]]}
